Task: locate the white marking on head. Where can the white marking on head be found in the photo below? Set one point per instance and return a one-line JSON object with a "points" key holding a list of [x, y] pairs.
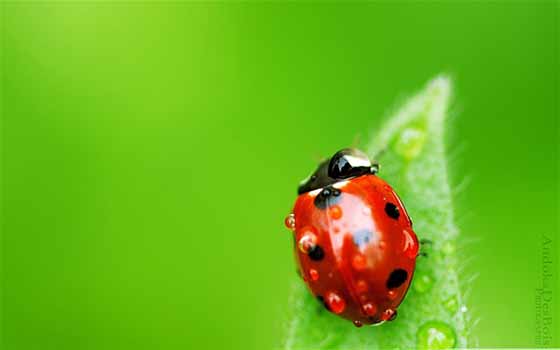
{"points": [[314, 193]]}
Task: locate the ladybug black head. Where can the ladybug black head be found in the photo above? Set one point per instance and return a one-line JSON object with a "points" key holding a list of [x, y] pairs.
{"points": [[344, 164]]}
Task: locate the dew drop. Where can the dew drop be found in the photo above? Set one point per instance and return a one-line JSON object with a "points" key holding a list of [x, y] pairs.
{"points": [[359, 262], [422, 283], [388, 315], [307, 242], [361, 286], [335, 212], [357, 323], [435, 335], [290, 221], [382, 244], [335, 303], [464, 309], [448, 248], [392, 294], [410, 143], [451, 305], [313, 275], [369, 309]]}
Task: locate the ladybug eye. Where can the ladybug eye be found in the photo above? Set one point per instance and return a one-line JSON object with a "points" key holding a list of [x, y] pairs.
{"points": [[348, 163]]}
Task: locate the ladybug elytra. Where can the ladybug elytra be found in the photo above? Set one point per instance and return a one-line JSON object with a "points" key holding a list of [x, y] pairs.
{"points": [[354, 243]]}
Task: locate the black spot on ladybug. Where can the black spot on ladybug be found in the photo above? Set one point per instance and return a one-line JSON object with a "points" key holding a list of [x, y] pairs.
{"points": [[328, 196], [316, 253], [396, 278], [392, 210]]}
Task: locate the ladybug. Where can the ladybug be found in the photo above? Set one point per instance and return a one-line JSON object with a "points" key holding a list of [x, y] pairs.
{"points": [[353, 239]]}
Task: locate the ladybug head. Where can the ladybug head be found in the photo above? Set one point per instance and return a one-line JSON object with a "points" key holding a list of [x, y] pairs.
{"points": [[344, 164]]}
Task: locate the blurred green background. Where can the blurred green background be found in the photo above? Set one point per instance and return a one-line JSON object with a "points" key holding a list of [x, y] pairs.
{"points": [[151, 152]]}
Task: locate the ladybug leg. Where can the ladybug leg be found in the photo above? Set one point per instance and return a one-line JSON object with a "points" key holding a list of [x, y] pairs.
{"points": [[424, 242], [322, 305]]}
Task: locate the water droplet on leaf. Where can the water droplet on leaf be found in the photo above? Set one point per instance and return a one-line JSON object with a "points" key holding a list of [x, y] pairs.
{"points": [[422, 282], [451, 305], [448, 248], [410, 142], [435, 335]]}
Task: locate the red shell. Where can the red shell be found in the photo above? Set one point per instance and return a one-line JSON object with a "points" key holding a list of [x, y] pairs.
{"points": [[367, 248]]}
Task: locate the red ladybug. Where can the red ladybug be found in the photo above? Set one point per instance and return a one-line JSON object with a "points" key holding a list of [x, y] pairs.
{"points": [[354, 242]]}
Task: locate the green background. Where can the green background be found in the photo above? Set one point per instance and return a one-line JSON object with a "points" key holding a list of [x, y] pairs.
{"points": [[151, 152]]}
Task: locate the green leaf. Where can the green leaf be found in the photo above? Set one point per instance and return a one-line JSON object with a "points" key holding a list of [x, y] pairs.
{"points": [[433, 315]]}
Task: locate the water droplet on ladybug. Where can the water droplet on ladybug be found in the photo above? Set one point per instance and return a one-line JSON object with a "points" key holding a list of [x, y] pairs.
{"points": [[435, 335], [290, 221], [410, 143], [392, 294], [388, 315], [307, 242], [361, 286], [313, 275], [382, 244], [334, 212], [335, 303], [423, 282], [357, 323], [359, 262], [369, 309]]}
